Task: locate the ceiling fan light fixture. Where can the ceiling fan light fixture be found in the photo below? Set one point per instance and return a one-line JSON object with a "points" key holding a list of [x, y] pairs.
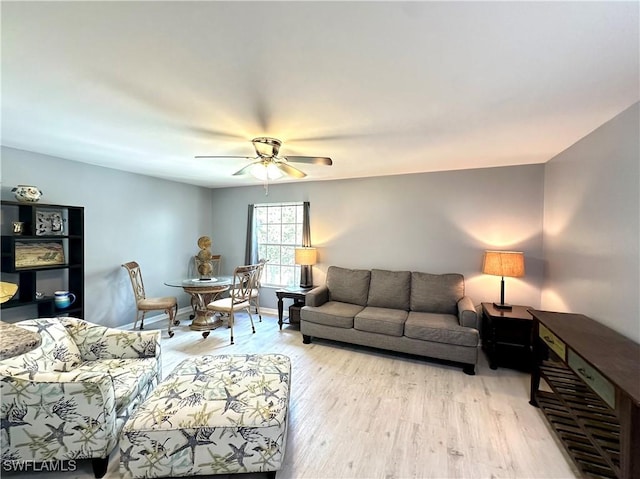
{"points": [[267, 147], [268, 166], [265, 171]]}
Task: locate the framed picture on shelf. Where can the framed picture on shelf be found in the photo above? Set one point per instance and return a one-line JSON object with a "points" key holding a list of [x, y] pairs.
{"points": [[49, 223], [33, 255]]}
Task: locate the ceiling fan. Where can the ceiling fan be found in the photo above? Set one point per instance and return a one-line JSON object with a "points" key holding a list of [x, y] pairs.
{"points": [[267, 165]]}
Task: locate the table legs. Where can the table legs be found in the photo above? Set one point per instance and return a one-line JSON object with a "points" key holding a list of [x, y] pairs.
{"points": [[280, 312], [204, 320], [297, 302]]}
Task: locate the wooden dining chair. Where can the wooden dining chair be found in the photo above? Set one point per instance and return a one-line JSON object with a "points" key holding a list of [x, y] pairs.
{"points": [[254, 296], [255, 292], [214, 262], [168, 304], [244, 281]]}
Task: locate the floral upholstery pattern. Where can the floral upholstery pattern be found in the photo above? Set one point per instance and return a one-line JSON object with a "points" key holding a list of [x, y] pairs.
{"points": [[70, 397], [211, 415]]}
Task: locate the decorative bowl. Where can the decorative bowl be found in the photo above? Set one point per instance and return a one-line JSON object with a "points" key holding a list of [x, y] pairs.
{"points": [[27, 193]]}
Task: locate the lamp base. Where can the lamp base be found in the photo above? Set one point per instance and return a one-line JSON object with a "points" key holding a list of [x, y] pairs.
{"points": [[502, 306], [306, 276]]}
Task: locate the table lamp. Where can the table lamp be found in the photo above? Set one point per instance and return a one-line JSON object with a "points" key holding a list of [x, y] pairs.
{"points": [[503, 263], [306, 257]]}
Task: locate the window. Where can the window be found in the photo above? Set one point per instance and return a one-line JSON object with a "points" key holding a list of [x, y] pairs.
{"points": [[278, 230]]}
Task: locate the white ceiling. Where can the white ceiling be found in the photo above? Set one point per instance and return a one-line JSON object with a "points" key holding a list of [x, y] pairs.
{"points": [[382, 88]]}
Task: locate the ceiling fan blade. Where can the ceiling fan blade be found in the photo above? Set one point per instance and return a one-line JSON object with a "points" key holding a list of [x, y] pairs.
{"points": [[314, 160], [290, 170]]}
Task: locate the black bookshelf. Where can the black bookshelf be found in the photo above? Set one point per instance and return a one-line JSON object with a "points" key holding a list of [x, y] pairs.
{"points": [[72, 240]]}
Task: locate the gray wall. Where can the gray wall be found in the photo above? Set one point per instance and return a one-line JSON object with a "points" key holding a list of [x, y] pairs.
{"points": [[592, 232], [433, 222], [588, 197], [128, 217]]}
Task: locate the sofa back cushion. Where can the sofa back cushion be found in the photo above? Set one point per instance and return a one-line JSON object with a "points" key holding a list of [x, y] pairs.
{"points": [[57, 351], [436, 293], [348, 285], [389, 289]]}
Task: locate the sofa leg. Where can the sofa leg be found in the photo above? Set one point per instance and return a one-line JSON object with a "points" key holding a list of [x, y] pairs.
{"points": [[100, 465], [306, 339], [271, 475], [469, 369]]}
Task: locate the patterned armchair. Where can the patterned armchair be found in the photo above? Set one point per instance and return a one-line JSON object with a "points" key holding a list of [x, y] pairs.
{"points": [[70, 397]]}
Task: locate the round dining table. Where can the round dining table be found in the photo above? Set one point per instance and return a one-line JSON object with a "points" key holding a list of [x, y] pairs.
{"points": [[202, 292]]}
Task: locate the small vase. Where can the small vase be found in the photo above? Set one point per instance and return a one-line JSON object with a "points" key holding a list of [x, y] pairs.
{"points": [[27, 193], [18, 227]]}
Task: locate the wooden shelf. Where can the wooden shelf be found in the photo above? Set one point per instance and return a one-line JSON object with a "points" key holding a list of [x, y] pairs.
{"points": [[594, 435], [576, 442]]}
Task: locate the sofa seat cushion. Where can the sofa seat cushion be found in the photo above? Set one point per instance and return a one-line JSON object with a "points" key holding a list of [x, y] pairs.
{"points": [[331, 313], [130, 376], [439, 328], [348, 285], [381, 321], [389, 289], [436, 293]]}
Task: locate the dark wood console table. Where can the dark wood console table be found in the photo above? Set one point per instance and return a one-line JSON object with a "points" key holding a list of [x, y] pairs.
{"points": [[586, 381]]}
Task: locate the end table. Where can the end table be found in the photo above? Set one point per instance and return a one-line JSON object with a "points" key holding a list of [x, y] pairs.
{"points": [[506, 336], [298, 295]]}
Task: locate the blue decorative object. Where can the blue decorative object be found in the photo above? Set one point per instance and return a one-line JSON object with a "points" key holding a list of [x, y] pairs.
{"points": [[63, 299]]}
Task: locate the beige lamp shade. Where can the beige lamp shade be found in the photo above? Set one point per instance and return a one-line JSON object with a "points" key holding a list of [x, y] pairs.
{"points": [[504, 263], [306, 256]]}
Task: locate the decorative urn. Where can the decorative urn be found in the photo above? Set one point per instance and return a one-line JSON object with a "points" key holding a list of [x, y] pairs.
{"points": [[27, 193]]}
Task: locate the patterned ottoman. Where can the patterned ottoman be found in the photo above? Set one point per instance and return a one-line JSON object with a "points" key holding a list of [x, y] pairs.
{"points": [[211, 415]]}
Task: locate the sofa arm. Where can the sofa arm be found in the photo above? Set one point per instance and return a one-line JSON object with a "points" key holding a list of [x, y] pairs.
{"points": [[100, 342], [467, 315], [317, 296], [50, 407]]}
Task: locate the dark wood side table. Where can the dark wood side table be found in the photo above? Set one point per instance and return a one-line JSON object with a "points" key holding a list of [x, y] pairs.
{"points": [[506, 336], [298, 295]]}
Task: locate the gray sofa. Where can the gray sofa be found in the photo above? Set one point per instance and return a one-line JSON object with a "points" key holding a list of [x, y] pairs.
{"points": [[409, 312]]}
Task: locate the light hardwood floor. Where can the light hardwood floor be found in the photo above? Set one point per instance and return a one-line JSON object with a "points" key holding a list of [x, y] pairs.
{"points": [[360, 413]]}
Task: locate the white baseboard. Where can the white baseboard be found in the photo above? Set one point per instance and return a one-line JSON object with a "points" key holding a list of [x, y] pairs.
{"points": [[183, 314]]}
